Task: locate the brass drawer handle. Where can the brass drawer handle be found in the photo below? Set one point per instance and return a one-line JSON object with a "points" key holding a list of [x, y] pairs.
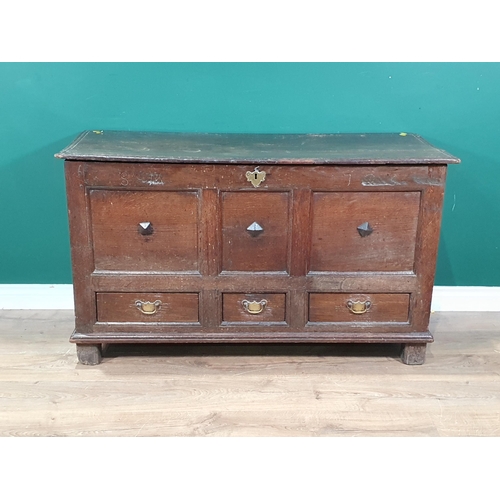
{"points": [[359, 306], [256, 177], [148, 307], [254, 307]]}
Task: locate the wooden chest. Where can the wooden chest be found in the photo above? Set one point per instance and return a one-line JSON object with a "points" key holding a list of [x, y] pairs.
{"points": [[253, 238]]}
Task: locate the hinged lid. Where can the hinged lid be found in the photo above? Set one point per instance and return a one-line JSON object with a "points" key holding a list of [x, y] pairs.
{"points": [[312, 149]]}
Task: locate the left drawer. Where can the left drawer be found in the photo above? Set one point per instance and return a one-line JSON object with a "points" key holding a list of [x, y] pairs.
{"points": [[147, 307]]}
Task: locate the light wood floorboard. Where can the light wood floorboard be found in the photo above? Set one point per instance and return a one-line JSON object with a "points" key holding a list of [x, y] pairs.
{"points": [[313, 390]]}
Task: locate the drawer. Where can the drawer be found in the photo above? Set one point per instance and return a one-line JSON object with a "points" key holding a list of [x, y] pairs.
{"points": [[145, 231], [145, 307], [364, 231], [255, 231], [251, 308], [348, 307]]}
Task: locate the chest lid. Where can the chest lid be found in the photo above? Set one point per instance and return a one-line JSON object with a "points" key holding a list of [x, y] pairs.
{"points": [[309, 149]]}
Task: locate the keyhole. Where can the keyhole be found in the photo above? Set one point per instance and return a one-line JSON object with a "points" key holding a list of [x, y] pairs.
{"points": [[255, 175]]}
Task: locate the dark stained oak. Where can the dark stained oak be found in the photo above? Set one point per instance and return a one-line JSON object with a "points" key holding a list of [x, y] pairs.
{"points": [[413, 354], [232, 238], [120, 245], [427, 246], [140, 307], [264, 249], [224, 177], [89, 354], [379, 307], [336, 241], [81, 246], [270, 308]]}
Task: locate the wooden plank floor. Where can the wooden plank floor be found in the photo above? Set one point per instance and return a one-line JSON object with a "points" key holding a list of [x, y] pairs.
{"points": [[332, 390]]}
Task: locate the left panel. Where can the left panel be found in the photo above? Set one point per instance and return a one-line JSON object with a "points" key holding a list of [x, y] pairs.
{"points": [[145, 230]]}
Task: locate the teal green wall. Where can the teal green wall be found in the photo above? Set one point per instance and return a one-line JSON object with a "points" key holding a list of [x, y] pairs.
{"points": [[43, 106]]}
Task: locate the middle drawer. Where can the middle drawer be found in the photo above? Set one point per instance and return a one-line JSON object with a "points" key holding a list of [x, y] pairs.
{"points": [[253, 307]]}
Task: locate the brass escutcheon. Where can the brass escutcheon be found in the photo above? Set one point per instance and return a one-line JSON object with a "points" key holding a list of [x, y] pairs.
{"points": [[254, 307], [256, 177], [358, 306], [148, 307]]}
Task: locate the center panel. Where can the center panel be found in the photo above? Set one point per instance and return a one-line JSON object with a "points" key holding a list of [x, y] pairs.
{"points": [[255, 232]]}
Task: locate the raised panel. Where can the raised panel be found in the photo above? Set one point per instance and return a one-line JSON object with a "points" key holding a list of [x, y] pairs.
{"points": [[374, 231], [255, 231], [145, 231]]}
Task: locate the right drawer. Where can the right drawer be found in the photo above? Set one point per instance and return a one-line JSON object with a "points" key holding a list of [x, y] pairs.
{"points": [[353, 308]]}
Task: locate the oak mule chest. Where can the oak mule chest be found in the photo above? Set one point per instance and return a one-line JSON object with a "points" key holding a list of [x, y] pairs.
{"points": [[241, 238]]}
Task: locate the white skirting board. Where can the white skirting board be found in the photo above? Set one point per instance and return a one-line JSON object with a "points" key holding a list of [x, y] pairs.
{"points": [[445, 298], [36, 297], [466, 298]]}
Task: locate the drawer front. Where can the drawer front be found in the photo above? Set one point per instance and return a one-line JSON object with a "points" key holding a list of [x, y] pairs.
{"points": [[251, 308], [145, 231], [346, 307], [364, 231], [255, 231], [146, 307]]}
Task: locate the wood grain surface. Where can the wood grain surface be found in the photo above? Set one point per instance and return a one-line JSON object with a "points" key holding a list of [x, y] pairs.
{"points": [[384, 307], [266, 250], [119, 246], [198, 242], [272, 311], [336, 244], [270, 390], [171, 307]]}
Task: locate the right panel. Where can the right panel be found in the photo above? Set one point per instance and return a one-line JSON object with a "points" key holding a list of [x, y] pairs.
{"points": [[374, 231]]}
